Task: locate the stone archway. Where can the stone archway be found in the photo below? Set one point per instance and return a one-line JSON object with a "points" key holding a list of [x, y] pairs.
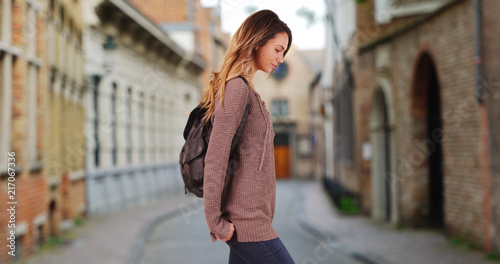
{"points": [[383, 166], [427, 134]]}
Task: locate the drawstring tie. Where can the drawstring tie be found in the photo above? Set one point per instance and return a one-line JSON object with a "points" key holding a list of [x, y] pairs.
{"points": [[267, 131]]}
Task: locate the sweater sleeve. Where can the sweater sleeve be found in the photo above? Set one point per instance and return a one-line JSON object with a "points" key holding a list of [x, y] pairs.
{"points": [[225, 122]]}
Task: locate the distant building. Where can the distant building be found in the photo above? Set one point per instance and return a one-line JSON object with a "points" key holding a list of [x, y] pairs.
{"points": [[141, 86], [287, 96]]}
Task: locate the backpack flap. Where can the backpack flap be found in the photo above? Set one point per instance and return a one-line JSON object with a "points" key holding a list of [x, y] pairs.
{"points": [[192, 150]]}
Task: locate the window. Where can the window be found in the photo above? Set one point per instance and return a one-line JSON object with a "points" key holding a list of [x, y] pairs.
{"points": [[5, 106], [114, 142], [162, 131], [345, 121], [6, 20], [129, 125], [2, 18], [152, 129], [4, 128], [2, 90], [95, 83], [142, 128], [32, 114], [19, 249], [38, 237], [30, 31], [61, 16], [280, 107]]}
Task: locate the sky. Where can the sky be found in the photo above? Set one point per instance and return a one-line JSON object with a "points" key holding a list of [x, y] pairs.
{"points": [[234, 12]]}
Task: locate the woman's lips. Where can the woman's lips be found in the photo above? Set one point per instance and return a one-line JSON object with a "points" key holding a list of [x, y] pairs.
{"points": [[274, 66]]}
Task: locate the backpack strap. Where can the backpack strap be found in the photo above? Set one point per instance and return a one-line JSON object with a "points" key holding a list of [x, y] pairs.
{"points": [[241, 127]]}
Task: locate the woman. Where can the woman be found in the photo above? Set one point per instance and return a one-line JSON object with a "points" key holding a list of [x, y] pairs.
{"points": [[241, 215]]}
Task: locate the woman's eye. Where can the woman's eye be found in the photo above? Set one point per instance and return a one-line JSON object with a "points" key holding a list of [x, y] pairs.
{"points": [[277, 50]]}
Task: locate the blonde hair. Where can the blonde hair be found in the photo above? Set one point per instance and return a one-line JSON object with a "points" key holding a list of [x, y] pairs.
{"points": [[255, 31]]}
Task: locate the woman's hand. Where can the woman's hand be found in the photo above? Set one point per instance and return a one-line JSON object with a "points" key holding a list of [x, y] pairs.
{"points": [[230, 234]]}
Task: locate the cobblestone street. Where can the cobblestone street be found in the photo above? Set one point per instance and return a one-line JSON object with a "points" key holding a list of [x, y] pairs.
{"points": [[185, 239]]}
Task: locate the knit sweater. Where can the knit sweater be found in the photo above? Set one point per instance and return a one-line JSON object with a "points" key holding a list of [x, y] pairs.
{"points": [[249, 201]]}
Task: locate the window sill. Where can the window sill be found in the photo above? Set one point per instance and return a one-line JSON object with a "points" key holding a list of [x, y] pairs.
{"points": [[4, 172]]}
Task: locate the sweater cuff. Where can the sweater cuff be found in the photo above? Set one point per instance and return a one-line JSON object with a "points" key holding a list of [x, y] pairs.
{"points": [[222, 230]]}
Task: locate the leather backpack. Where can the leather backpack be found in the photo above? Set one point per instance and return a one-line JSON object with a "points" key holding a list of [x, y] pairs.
{"points": [[192, 156]]}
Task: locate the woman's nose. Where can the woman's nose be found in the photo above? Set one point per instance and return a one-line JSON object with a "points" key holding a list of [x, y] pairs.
{"points": [[280, 60]]}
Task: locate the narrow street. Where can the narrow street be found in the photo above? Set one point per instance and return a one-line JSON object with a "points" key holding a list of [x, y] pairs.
{"points": [[185, 238], [173, 230]]}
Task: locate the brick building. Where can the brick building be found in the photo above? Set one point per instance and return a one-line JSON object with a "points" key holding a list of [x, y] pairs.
{"points": [[64, 127], [41, 120], [431, 127], [491, 97]]}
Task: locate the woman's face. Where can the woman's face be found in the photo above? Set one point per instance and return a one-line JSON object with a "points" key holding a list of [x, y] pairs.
{"points": [[268, 57]]}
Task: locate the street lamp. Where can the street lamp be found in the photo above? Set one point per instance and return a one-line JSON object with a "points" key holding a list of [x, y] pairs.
{"points": [[109, 54]]}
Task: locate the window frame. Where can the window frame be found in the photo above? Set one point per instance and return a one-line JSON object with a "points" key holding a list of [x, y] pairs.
{"points": [[280, 107]]}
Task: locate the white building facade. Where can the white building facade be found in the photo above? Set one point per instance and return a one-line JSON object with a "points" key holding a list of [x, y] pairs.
{"points": [[141, 87]]}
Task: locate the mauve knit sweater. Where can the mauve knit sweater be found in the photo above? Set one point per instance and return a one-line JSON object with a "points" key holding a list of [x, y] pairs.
{"points": [[249, 202]]}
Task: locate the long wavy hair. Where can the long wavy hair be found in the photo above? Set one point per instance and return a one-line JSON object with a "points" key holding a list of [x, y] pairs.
{"points": [[255, 31]]}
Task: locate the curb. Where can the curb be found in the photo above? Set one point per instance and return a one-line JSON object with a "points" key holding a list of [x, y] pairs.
{"points": [[328, 238], [138, 253]]}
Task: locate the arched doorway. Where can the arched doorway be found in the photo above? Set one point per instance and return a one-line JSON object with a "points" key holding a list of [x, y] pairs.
{"points": [[427, 133], [53, 219], [383, 181]]}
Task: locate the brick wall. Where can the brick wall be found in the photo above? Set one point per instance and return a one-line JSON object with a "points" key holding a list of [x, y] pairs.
{"points": [[53, 130], [365, 83], [369, 31], [30, 184], [66, 119], [161, 11], [448, 39]]}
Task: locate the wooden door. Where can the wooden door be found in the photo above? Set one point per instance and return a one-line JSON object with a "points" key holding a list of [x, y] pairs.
{"points": [[282, 161]]}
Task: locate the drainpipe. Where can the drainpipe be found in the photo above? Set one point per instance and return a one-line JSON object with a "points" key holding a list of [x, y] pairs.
{"points": [[478, 51], [485, 137]]}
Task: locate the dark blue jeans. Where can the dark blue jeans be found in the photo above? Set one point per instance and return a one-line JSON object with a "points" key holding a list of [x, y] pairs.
{"points": [[264, 252]]}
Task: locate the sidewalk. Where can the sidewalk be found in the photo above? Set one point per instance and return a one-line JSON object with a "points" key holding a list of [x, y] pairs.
{"points": [[113, 238], [379, 242]]}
